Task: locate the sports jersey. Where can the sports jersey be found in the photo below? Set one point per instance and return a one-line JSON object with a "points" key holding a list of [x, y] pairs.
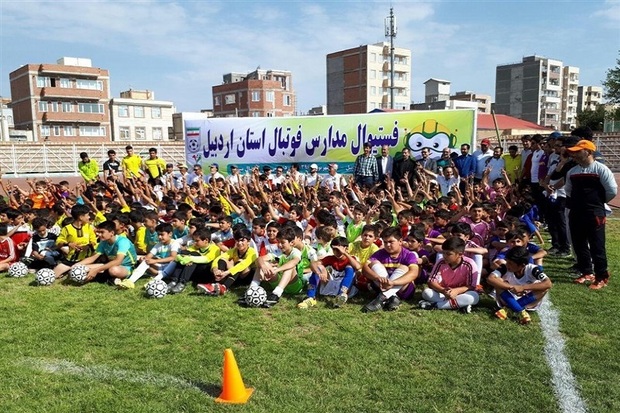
{"points": [[465, 274], [84, 236], [176, 233], [155, 167], [140, 239], [131, 166], [295, 253], [160, 250], [241, 261], [121, 245], [41, 243], [151, 239], [532, 274], [7, 250], [405, 257], [207, 254], [362, 254], [480, 230], [354, 231], [308, 254], [271, 248], [336, 273]]}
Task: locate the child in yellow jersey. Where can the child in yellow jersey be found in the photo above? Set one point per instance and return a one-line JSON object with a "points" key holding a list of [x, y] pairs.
{"points": [[362, 250], [235, 263], [76, 241], [139, 240], [196, 258]]}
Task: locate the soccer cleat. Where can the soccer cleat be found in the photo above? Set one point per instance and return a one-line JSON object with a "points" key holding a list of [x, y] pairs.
{"points": [[466, 309], [374, 305], [221, 289], [427, 305], [585, 279], [524, 317], [272, 300], [392, 303], [177, 289], [208, 289], [126, 285], [341, 299], [564, 254], [307, 303], [117, 281], [171, 285], [502, 314], [599, 284], [553, 251]]}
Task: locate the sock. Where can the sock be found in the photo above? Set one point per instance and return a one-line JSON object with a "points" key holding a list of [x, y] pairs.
{"points": [[511, 301], [278, 291], [139, 272], [313, 284], [527, 299], [230, 281], [255, 283], [347, 280]]}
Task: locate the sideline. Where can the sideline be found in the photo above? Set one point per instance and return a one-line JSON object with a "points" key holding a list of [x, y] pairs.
{"points": [[104, 373], [564, 383]]}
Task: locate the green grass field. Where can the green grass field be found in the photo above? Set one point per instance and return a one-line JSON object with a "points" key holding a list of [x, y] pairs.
{"points": [[95, 349]]}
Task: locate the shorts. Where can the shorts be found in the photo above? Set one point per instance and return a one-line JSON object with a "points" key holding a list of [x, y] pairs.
{"points": [[294, 287]]}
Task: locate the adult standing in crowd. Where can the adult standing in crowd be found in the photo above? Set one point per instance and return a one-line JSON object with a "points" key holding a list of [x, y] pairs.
{"points": [[366, 171], [405, 170], [89, 169], [589, 185], [426, 161], [465, 165], [481, 156], [154, 166], [496, 164], [334, 181], [526, 142], [112, 166], [385, 163], [131, 164], [512, 161]]}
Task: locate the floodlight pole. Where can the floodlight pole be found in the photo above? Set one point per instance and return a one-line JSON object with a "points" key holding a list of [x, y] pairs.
{"points": [[390, 31]]}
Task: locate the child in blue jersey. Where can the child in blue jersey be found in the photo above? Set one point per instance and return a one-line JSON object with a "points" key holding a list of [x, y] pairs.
{"points": [[118, 253], [178, 224], [519, 238], [164, 252]]}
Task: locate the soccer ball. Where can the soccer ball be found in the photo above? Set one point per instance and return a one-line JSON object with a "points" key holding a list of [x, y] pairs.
{"points": [[78, 274], [18, 270], [45, 276], [156, 289], [255, 296]]}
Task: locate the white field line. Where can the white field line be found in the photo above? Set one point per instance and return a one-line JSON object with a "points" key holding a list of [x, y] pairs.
{"points": [[103, 373], [564, 383]]}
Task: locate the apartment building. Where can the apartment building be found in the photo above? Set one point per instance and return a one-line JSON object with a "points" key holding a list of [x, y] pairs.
{"points": [[539, 90], [589, 97], [65, 102], [137, 116], [261, 93], [483, 101], [437, 97], [359, 79]]}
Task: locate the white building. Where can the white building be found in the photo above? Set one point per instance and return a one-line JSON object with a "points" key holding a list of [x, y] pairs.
{"points": [[137, 116]]}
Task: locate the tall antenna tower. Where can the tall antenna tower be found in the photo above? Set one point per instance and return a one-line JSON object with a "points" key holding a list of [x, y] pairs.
{"points": [[390, 31]]}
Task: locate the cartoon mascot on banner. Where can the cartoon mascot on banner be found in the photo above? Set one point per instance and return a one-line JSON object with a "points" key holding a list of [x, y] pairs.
{"points": [[431, 135]]}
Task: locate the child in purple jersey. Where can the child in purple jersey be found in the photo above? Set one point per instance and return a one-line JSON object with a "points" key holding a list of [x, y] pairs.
{"points": [[392, 269], [453, 281]]}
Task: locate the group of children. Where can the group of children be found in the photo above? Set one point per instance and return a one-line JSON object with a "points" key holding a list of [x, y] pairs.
{"points": [[291, 239]]}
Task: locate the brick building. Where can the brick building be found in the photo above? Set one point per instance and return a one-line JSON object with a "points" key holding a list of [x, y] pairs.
{"points": [[66, 101], [262, 93]]}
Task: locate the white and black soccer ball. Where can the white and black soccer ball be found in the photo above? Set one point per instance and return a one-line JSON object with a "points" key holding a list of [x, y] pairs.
{"points": [[156, 289], [18, 270], [255, 296], [78, 274], [45, 276]]}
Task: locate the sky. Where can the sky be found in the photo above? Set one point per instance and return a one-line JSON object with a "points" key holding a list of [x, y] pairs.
{"points": [[180, 49]]}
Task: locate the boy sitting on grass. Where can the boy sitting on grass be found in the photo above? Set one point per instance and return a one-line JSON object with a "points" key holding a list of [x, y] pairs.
{"points": [[452, 283], [155, 261], [235, 263], [520, 286], [117, 251], [8, 254], [282, 277], [76, 240], [334, 274]]}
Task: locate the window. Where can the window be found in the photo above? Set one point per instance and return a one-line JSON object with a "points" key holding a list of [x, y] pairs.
{"points": [[256, 114], [69, 131], [90, 108], [45, 131], [42, 106], [216, 101], [124, 132], [256, 96], [123, 111], [373, 91], [287, 100], [156, 112], [92, 130], [53, 106], [140, 132], [89, 84], [67, 107], [373, 57], [65, 83], [43, 81], [158, 134], [138, 111], [270, 96], [56, 130], [228, 99], [373, 74]]}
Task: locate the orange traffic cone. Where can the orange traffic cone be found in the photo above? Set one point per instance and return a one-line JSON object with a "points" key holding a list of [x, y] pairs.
{"points": [[233, 389]]}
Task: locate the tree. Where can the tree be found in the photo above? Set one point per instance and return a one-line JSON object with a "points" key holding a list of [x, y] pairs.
{"points": [[612, 84], [592, 118]]}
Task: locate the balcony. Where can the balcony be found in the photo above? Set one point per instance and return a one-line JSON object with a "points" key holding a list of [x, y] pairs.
{"points": [[74, 117], [74, 71], [72, 93]]}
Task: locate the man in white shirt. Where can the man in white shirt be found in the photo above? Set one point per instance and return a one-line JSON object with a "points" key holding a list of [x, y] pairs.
{"points": [[313, 179], [481, 156], [334, 181]]}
